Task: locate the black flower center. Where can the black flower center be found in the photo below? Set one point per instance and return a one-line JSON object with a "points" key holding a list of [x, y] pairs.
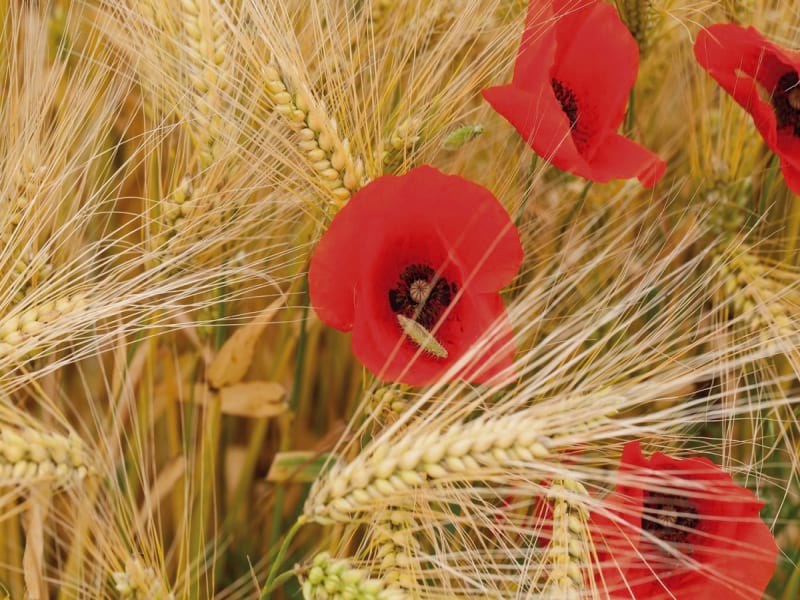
{"points": [[669, 518], [569, 104], [421, 295], [786, 102], [566, 97]]}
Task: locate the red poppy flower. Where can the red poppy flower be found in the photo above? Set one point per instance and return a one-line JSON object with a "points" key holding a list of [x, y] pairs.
{"points": [[681, 529], [575, 67], [413, 266], [763, 79]]}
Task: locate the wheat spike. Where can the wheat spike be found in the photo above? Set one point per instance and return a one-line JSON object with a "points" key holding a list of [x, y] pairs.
{"points": [[208, 52], [138, 582], [755, 293], [28, 456], [400, 145], [336, 578], [567, 554], [461, 451], [640, 18], [329, 155]]}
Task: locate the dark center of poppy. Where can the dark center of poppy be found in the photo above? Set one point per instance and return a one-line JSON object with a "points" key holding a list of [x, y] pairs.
{"points": [[421, 295], [566, 97], [786, 102], [669, 517], [569, 104]]}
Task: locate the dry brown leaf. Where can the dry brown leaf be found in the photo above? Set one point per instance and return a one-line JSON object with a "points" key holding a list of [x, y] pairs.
{"points": [[234, 358], [254, 399]]}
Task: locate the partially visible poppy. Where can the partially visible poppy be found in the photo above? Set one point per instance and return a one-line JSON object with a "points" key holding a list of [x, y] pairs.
{"points": [[413, 265], [575, 68], [681, 529], [763, 78]]}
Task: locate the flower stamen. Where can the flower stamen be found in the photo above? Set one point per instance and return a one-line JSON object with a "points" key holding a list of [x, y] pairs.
{"points": [[669, 518], [421, 295], [566, 98], [786, 102]]}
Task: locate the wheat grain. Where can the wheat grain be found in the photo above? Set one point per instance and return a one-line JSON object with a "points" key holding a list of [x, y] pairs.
{"points": [[336, 578], [138, 582], [462, 451], [640, 18], [399, 147], [329, 155], [28, 456]]}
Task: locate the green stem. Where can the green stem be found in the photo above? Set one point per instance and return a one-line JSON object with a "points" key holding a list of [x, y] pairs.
{"points": [[629, 115], [526, 194], [792, 231], [285, 442], [273, 580]]}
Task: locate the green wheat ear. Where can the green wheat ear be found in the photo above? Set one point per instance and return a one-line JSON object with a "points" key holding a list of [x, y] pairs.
{"points": [[421, 336]]}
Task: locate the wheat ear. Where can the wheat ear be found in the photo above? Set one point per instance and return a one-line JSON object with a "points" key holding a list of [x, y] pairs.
{"points": [[139, 582], [462, 451], [640, 18], [754, 294], [568, 552], [336, 578], [208, 53], [329, 155], [400, 144], [28, 456]]}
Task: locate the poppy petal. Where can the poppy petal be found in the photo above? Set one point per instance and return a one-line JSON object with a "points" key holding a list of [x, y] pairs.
{"points": [[540, 121], [601, 84], [618, 157], [448, 235]]}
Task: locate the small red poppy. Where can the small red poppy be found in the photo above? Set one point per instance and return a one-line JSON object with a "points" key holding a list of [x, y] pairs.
{"points": [[413, 265], [681, 529], [575, 67], [763, 78]]}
